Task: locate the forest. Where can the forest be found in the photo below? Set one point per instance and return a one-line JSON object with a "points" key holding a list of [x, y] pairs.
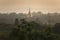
{"points": [[29, 31], [24, 27]]}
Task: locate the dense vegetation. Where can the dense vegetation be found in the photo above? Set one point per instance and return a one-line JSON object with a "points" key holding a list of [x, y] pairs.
{"points": [[29, 31]]}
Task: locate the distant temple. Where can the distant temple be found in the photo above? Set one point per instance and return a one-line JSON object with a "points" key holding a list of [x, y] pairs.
{"points": [[29, 13]]}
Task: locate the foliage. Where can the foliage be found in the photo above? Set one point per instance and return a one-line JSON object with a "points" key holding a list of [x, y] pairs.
{"points": [[27, 31]]}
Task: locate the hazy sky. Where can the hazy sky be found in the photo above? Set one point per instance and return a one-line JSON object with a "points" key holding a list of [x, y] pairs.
{"points": [[35, 5]]}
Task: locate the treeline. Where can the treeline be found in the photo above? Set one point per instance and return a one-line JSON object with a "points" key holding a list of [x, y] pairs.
{"points": [[22, 27], [33, 31], [39, 17], [26, 30]]}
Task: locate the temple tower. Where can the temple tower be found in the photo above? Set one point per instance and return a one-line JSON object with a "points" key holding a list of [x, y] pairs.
{"points": [[29, 13]]}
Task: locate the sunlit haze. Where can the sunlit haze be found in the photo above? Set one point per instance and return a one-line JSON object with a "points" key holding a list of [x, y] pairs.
{"points": [[24, 5]]}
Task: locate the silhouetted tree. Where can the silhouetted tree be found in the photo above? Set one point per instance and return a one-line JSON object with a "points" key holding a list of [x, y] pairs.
{"points": [[56, 28], [16, 22]]}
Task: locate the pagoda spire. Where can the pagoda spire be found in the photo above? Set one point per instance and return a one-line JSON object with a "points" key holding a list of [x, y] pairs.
{"points": [[29, 13]]}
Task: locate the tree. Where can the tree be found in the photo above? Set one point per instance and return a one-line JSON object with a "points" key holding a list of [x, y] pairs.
{"points": [[16, 22], [56, 28]]}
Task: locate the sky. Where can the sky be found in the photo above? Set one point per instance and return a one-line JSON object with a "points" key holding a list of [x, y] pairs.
{"points": [[34, 5]]}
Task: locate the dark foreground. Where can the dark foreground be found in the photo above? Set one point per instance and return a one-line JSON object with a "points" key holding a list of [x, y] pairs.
{"points": [[29, 31]]}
